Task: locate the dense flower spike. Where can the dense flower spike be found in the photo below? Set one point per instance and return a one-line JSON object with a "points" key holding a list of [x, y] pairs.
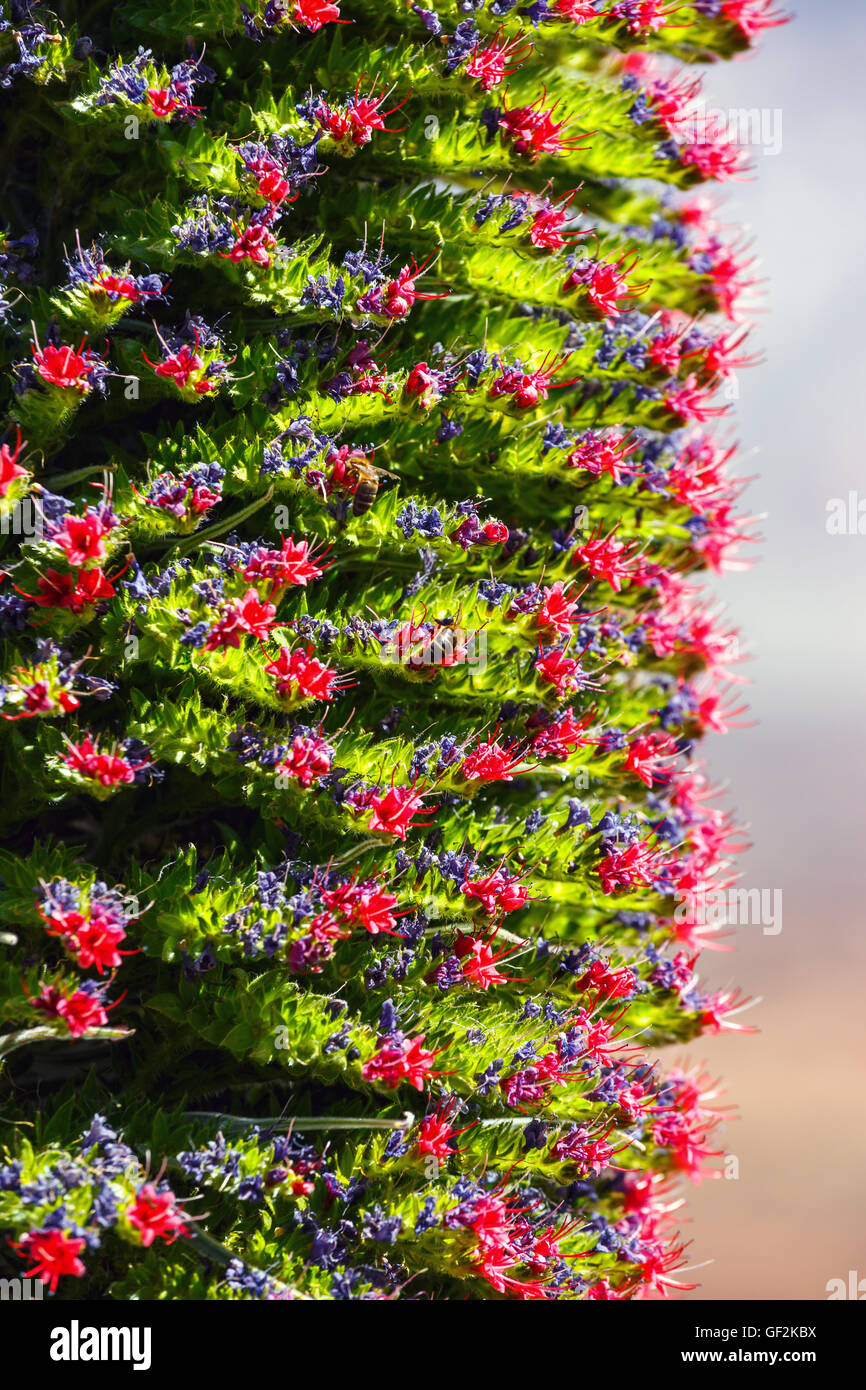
{"points": [[380, 414]]}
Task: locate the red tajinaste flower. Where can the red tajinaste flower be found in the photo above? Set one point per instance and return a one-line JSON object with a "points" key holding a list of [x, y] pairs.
{"points": [[529, 389], [648, 16], [606, 284], [95, 944], [546, 232], [481, 961], [369, 907], [718, 357], [354, 125], [254, 243], [249, 614], [79, 1010], [557, 611], [398, 297], [753, 16], [66, 367], [489, 66], [491, 761], [10, 468], [497, 892], [647, 757], [108, 769], [82, 538], [300, 674], [532, 130], [598, 454], [580, 12], [717, 1010], [435, 1137], [635, 865], [396, 1062], [563, 735], [106, 282], [164, 104], [292, 564], [590, 1154], [393, 812], [308, 760], [715, 159], [607, 982], [563, 672], [714, 710], [77, 590], [607, 558], [313, 14], [54, 1254], [155, 1214]]}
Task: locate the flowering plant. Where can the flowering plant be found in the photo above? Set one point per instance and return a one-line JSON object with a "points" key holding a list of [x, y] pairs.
{"points": [[364, 408]]}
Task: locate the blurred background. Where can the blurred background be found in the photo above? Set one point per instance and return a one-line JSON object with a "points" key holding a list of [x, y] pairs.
{"points": [[796, 1217]]}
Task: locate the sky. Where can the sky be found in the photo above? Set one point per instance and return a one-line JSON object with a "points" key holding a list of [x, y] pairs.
{"points": [[794, 1218]]}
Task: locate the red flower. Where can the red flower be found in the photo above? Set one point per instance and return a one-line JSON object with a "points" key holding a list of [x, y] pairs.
{"points": [[599, 454], [80, 1011], [63, 366], [490, 762], [481, 961], [371, 909], [489, 66], [398, 297], [312, 14], [647, 16], [646, 756], [291, 564], [164, 104], [298, 673], [579, 11], [606, 284], [607, 558], [274, 188], [105, 282], [434, 1137], [561, 737], [638, 864], [109, 769], [54, 1253], [77, 590], [528, 389], [155, 1214], [718, 1009], [247, 614], [95, 944], [715, 159], [393, 811], [254, 244], [557, 610], [561, 671], [401, 1061], [308, 759], [10, 468], [533, 131], [752, 16], [81, 538], [497, 892]]}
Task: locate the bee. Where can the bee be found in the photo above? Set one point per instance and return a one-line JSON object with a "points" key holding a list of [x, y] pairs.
{"points": [[362, 478]]}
